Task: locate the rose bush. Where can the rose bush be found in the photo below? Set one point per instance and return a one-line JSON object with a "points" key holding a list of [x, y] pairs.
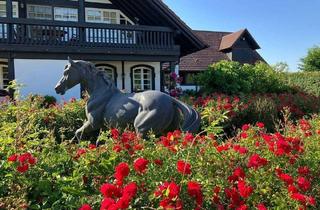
{"points": [[254, 169]]}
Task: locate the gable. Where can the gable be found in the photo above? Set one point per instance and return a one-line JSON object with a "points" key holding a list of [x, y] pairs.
{"points": [[242, 37], [156, 13]]}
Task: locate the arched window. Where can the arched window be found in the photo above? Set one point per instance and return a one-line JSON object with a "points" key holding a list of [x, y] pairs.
{"points": [[142, 78], [110, 70]]}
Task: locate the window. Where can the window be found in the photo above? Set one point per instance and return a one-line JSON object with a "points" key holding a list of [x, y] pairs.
{"points": [[65, 14], [3, 9], [95, 15], [4, 81], [142, 78], [39, 12], [110, 70]]}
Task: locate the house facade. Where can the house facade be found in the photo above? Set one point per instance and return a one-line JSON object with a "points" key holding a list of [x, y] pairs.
{"points": [[129, 39], [237, 46]]}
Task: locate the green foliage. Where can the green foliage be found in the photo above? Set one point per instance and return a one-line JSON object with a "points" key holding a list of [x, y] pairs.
{"points": [[312, 61], [66, 175], [308, 82], [234, 78]]}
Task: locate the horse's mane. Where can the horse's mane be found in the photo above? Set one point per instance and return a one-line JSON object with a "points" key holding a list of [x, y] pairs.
{"points": [[93, 70]]}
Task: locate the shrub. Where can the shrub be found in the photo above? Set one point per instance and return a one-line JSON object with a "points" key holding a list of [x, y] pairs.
{"points": [[255, 168], [307, 82], [312, 61], [233, 78]]}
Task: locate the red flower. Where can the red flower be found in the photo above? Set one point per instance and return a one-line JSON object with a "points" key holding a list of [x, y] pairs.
{"points": [[240, 150], [85, 207], [243, 135], [171, 188], [261, 206], [140, 165], [183, 167], [24, 157], [303, 170], [255, 161], [23, 168], [238, 174], [115, 133], [13, 158], [242, 207], [109, 190], [92, 146], [303, 183], [122, 170], [130, 190], [244, 190], [245, 127], [80, 152], [286, 178], [106, 203], [158, 162], [194, 190], [260, 124]]}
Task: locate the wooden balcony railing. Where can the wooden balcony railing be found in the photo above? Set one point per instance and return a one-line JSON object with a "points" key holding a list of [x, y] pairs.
{"points": [[89, 35]]}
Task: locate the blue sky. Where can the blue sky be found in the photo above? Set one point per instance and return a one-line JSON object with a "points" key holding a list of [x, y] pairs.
{"points": [[284, 29]]}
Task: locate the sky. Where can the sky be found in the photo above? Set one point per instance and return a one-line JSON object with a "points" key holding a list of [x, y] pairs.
{"points": [[284, 29]]}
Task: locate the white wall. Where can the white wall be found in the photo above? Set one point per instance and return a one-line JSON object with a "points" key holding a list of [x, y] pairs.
{"points": [[41, 76]]}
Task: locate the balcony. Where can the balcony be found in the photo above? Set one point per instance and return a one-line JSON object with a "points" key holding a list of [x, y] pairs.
{"points": [[38, 36]]}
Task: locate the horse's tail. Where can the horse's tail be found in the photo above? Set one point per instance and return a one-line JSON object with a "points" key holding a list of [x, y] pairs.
{"points": [[191, 118]]}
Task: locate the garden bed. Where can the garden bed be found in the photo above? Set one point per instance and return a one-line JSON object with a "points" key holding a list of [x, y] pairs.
{"points": [[253, 169]]}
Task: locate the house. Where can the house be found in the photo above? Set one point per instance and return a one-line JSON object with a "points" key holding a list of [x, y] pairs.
{"points": [[239, 46], [129, 39]]}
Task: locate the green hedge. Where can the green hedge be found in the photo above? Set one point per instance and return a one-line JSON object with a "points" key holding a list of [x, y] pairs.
{"points": [[308, 82], [233, 78]]}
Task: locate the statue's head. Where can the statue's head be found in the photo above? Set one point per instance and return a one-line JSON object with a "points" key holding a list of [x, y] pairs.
{"points": [[71, 77]]}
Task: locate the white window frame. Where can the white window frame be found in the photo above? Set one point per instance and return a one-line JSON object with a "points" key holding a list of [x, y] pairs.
{"points": [[88, 9], [76, 17], [108, 70], [136, 81], [36, 5], [15, 10]]}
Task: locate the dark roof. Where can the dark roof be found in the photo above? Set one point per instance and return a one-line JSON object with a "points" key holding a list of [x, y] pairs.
{"points": [[230, 40], [200, 60], [157, 13]]}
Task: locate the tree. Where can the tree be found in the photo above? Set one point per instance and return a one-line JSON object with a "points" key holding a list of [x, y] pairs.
{"points": [[312, 61]]}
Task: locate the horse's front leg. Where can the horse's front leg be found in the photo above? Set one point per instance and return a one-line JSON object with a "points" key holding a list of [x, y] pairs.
{"points": [[86, 128]]}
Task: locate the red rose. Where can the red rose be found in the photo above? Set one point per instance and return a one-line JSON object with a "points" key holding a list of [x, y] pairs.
{"points": [[261, 206], [303, 183], [106, 203], [13, 158], [194, 190], [244, 189], [158, 162], [140, 165], [122, 170], [115, 133], [243, 135], [130, 190], [183, 167], [245, 127], [85, 207], [110, 191], [260, 124], [255, 161], [23, 168]]}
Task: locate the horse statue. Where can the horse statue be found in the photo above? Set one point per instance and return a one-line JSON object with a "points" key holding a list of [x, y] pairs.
{"points": [[146, 111]]}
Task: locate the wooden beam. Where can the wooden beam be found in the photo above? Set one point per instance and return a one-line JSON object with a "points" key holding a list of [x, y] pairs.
{"points": [[9, 8], [11, 73], [123, 75]]}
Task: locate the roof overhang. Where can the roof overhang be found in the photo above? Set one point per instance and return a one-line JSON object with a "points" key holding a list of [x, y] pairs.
{"points": [[157, 13]]}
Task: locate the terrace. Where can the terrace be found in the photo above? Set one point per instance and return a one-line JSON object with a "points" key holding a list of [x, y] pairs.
{"points": [[20, 35]]}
